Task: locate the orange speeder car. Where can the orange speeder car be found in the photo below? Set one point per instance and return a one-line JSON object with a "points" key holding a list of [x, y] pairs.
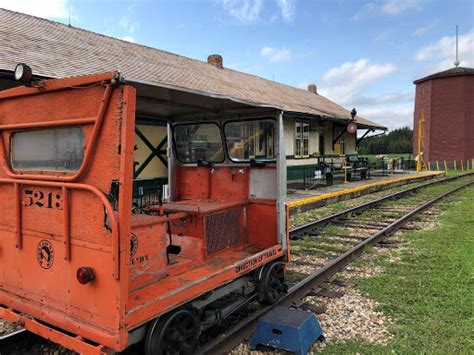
{"points": [[86, 263]]}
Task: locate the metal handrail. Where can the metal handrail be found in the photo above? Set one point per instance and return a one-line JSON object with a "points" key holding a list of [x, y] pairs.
{"points": [[97, 121], [66, 186]]}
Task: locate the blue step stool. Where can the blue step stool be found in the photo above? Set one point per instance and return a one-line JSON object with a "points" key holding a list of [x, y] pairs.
{"points": [[288, 329]]}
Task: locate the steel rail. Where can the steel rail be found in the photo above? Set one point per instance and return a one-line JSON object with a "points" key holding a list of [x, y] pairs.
{"points": [[12, 334], [19, 339], [305, 228], [231, 338]]}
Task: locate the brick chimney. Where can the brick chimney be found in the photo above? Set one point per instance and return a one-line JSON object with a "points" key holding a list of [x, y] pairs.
{"points": [[313, 88], [215, 60]]}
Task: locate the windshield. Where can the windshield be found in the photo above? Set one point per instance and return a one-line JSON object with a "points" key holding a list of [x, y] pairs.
{"points": [[196, 142], [56, 149], [248, 140]]}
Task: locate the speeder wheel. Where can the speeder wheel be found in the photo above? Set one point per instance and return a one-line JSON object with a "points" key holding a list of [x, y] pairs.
{"points": [[173, 334], [272, 282]]}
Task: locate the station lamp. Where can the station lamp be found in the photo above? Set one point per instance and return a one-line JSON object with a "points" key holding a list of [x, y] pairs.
{"points": [[352, 127], [353, 113], [23, 73]]}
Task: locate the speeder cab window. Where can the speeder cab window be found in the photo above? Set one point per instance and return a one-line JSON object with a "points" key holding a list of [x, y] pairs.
{"points": [[250, 140], [57, 149], [195, 142]]}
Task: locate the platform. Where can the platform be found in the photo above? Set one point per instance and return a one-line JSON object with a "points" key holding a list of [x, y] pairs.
{"points": [[303, 200]]}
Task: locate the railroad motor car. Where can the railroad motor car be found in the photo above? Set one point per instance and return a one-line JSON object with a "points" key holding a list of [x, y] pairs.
{"points": [[87, 263]]}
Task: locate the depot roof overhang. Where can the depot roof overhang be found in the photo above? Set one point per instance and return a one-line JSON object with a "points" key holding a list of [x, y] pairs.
{"points": [[341, 121], [164, 101], [168, 101]]}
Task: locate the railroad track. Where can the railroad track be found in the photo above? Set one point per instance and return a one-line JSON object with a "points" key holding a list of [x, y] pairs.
{"points": [[326, 255], [311, 226], [22, 342]]}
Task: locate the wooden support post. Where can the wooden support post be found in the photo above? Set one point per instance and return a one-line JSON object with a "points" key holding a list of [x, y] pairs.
{"points": [[445, 167], [462, 165], [437, 165], [455, 167], [345, 172]]}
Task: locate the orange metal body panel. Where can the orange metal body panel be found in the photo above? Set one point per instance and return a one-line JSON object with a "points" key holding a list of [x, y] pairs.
{"points": [[206, 192], [222, 233], [81, 229], [218, 183], [262, 223], [172, 292], [61, 108]]}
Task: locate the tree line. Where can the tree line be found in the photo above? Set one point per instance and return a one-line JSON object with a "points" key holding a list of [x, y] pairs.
{"points": [[397, 141]]}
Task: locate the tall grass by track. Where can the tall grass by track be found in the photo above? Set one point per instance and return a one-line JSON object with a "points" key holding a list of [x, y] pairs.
{"points": [[430, 292]]}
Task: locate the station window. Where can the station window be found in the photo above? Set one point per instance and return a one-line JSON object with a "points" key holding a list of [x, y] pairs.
{"points": [[200, 141], [250, 140], [57, 149], [301, 139]]}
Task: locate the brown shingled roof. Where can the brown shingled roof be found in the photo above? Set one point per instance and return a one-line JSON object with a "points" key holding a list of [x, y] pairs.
{"points": [[56, 50], [450, 72]]}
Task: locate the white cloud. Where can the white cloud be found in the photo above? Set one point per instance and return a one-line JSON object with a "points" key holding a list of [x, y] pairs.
{"points": [[441, 54], [420, 31], [385, 99], [287, 9], [393, 116], [344, 83], [248, 11], [276, 55], [244, 10], [128, 39], [387, 7], [395, 7], [128, 25], [58, 9], [348, 84]]}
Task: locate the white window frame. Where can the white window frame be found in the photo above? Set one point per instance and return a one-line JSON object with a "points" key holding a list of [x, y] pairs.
{"points": [[300, 139]]}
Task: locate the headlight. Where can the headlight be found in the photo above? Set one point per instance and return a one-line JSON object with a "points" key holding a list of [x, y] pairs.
{"points": [[23, 73]]}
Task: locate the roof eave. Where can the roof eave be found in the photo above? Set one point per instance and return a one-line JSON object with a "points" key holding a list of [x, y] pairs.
{"points": [[334, 119]]}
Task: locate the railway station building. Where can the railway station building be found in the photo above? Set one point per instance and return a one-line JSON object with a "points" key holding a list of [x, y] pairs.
{"points": [[315, 127], [446, 99]]}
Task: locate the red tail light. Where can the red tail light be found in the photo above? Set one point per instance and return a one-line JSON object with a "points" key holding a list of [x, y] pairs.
{"points": [[85, 275]]}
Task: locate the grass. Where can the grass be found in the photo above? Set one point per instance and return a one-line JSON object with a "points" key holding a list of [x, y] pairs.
{"points": [[458, 172], [429, 292]]}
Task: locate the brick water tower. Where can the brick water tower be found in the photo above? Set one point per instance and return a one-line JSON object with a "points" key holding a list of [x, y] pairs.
{"points": [[447, 101]]}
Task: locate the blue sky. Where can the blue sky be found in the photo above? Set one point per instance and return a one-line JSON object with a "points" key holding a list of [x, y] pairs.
{"points": [[362, 54]]}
